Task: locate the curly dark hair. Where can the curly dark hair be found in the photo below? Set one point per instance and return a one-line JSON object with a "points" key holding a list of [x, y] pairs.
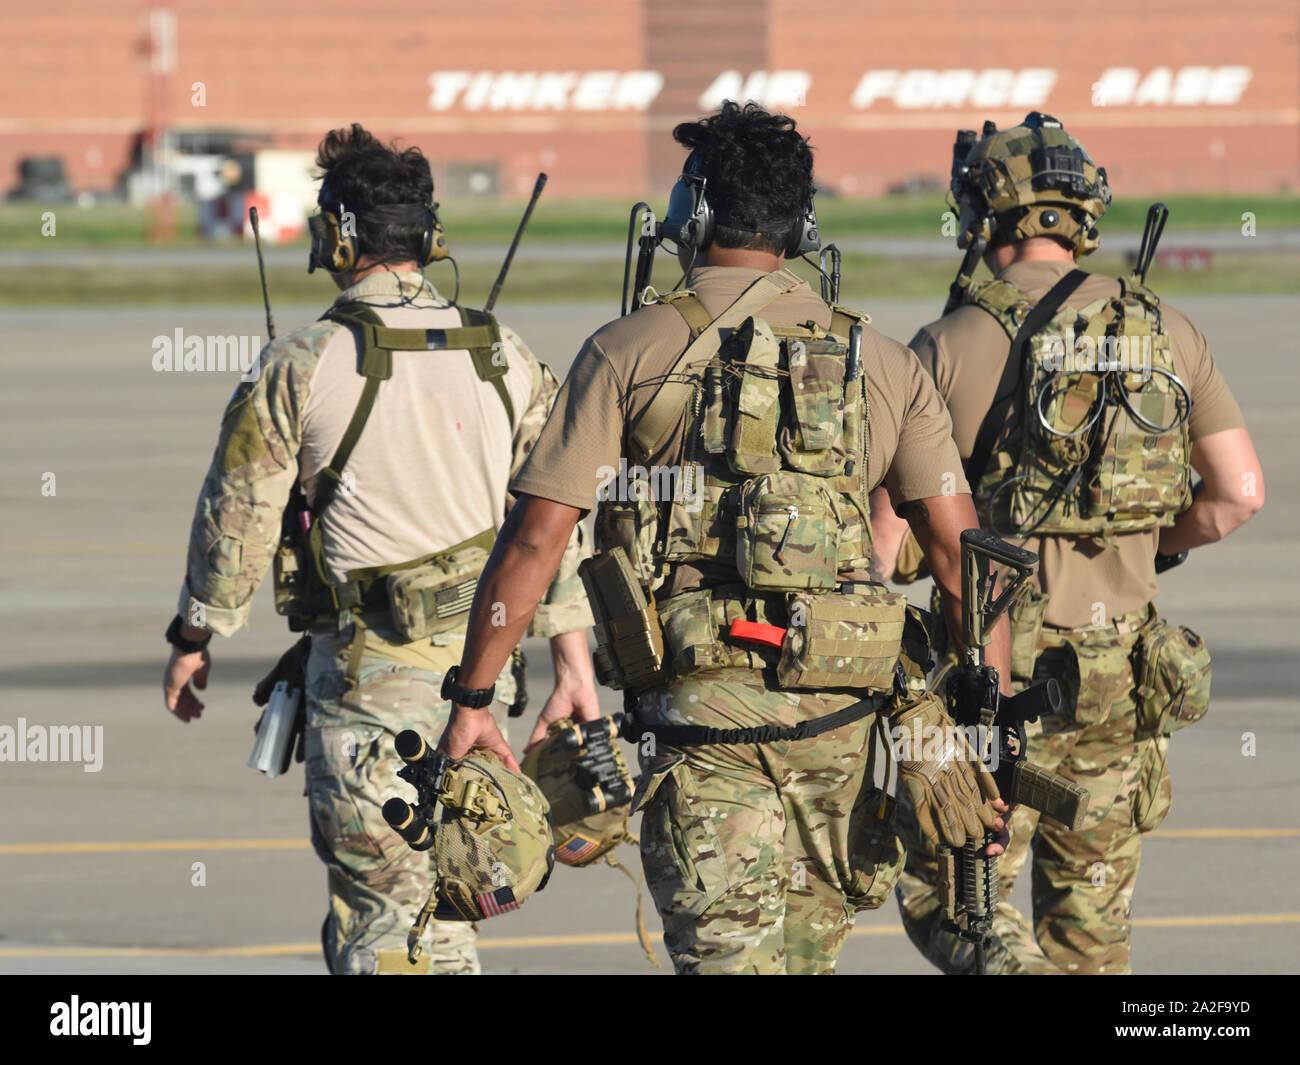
{"points": [[359, 172], [758, 170]]}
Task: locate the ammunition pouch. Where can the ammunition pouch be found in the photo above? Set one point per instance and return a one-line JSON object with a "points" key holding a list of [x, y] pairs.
{"points": [[629, 639], [1173, 675], [843, 640]]}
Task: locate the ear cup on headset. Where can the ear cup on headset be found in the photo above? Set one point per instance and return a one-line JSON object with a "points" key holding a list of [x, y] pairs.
{"points": [[435, 240], [689, 220], [331, 248], [804, 237]]}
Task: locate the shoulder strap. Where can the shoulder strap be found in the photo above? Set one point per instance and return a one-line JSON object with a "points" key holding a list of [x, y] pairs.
{"points": [[844, 318], [1009, 385], [489, 363], [659, 417], [376, 365], [693, 312], [479, 334]]}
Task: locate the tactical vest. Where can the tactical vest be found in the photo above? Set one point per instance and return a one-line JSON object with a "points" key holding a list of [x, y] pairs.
{"points": [[425, 595], [772, 472], [771, 480], [1098, 440]]}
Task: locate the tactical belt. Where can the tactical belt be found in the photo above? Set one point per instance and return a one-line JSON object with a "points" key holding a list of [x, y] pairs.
{"points": [[1124, 625], [700, 735]]}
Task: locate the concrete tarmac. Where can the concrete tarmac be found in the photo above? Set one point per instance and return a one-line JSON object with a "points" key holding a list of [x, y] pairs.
{"points": [[173, 857]]}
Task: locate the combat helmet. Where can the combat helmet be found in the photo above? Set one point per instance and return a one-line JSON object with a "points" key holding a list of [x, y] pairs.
{"points": [[584, 776], [1033, 180], [489, 829], [586, 780]]}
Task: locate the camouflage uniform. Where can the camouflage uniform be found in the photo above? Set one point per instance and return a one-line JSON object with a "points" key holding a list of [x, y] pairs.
{"points": [[757, 855], [364, 683], [1083, 880], [747, 848]]}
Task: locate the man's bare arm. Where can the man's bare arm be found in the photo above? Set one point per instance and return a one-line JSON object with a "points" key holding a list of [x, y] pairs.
{"points": [[523, 563], [937, 523], [888, 531], [525, 559], [1233, 492]]}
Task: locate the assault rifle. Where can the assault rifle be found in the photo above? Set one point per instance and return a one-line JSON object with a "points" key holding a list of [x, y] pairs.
{"points": [[968, 878]]}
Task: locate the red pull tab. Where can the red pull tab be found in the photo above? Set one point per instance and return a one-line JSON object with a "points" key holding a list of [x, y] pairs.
{"points": [[757, 632]]}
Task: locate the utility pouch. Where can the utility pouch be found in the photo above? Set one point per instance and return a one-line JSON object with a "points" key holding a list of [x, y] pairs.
{"points": [[786, 534], [876, 854], [1153, 797], [435, 597], [629, 638], [815, 442], [1026, 616], [1173, 678], [690, 633], [843, 641], [753, 355]]}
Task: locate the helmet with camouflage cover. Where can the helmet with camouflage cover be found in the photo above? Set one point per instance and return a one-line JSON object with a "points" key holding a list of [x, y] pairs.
{"points": [[585, 778], [1033, 180], [489, 828]]}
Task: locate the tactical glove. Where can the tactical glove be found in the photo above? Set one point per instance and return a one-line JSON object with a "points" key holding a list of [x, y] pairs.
{"points": [[949, 786]]}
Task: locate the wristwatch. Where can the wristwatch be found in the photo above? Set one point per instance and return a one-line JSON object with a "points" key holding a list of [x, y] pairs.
{"points": [[474, 698], [186, 647]]}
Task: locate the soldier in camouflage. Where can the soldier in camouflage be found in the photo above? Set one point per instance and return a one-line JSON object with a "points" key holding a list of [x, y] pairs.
{"points": [[429, 470], [1082, 454], [761, 416]]}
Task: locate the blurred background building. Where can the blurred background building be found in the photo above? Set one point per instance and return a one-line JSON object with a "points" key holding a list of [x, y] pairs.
{"points": [[223, 101]]}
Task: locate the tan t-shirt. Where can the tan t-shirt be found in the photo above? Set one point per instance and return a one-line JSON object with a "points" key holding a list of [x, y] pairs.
{"points": [[622, 365], [966, 352]]}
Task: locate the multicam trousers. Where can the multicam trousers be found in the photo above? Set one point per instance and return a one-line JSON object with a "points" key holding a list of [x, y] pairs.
{"points": [[360, 695], [1082, 882], [750, 851]]}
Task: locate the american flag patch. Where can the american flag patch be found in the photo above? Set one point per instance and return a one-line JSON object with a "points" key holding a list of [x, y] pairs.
{"points": [[497, 902], [578, 848]]}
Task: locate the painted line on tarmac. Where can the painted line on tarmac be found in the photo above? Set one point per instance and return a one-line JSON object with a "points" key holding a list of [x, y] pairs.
{"points": [[142, 846], [596, 939]]}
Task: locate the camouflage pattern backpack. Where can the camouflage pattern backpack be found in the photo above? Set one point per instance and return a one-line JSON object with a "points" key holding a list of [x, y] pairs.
{"points": [[1099, 443]]}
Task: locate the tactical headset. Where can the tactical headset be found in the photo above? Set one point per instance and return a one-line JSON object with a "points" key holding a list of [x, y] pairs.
{"points": [[691, 221], [335, 251]]}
